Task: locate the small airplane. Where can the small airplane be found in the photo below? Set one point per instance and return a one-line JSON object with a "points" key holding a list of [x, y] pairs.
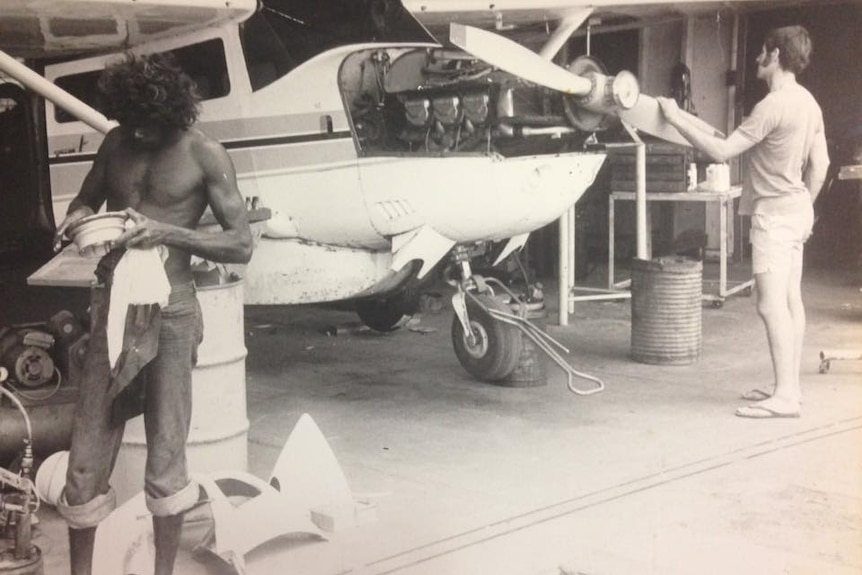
{"points": [[379, 151]]}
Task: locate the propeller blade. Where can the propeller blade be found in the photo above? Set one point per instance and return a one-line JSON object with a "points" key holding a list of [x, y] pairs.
{"points": [[700, 124], [647, 117], [637, 110], [511, 57]]}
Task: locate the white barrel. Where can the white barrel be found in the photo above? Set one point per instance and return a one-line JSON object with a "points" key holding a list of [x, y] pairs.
{"points": [[218, 438]]}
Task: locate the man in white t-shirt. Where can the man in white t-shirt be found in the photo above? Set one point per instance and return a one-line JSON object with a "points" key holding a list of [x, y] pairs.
{"points": [[786, 144]]}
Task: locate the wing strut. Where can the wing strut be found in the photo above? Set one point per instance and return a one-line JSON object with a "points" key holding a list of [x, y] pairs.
{"points": [[570, 22], [47, 89]]}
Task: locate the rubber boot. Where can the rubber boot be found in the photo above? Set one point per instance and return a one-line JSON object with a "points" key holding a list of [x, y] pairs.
{"points": [[166, 536], [81, 543]]}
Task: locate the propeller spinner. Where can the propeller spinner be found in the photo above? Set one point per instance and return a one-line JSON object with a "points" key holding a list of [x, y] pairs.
{"points": [[591, 89]]}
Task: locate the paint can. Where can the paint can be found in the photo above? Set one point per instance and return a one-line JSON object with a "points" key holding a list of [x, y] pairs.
{"points": [[666, 310], [218, 438]]}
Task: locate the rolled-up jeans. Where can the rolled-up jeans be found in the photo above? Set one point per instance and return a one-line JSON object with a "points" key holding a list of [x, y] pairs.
{"points": [[96, 438]]}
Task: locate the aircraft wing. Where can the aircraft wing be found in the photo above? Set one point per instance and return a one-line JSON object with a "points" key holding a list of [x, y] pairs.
{"points": [[500, 34], [503, 15], [512, 13], [40, 28]]}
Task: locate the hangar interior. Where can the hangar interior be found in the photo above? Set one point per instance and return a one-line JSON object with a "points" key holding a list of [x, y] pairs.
{"points": [[450, 475]]}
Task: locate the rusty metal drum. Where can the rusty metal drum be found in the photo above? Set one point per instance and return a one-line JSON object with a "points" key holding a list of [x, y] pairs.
{"points": [[666, 310]]}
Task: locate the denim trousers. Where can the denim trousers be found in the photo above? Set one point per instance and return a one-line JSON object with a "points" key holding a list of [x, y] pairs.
{"points": [[167, 405]]}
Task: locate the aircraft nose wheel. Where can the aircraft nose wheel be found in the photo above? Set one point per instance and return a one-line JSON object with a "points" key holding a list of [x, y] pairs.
{"points": [[492, 353], [478, 347]]}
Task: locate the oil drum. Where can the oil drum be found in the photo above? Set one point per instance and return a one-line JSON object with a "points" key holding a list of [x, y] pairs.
{"points": [[666, 310], [218, 438]]}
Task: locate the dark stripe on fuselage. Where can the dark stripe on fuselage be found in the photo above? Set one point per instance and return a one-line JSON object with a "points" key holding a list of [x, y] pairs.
{"points": [[230, 145]]}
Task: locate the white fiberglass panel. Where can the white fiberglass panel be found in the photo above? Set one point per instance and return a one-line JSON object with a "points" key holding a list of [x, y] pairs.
{"points": [[473, 198]]}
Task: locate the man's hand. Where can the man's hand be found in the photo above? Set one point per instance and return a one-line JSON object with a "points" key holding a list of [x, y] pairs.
{"points": [[71, 218], [670, 110], [144, 233]]}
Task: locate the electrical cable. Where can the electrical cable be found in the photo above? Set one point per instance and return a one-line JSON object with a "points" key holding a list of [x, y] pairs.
{"points": [[38, 397], [23, 411]]}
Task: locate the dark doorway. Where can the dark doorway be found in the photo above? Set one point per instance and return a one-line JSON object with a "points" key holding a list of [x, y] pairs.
{"points": [[22, 228]]}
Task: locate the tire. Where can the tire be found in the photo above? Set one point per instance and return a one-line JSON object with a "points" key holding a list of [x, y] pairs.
{"points": [[498, 347], [384, 314]]}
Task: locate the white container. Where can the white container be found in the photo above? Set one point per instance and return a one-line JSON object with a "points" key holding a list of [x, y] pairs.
{"points": [[717, 177], [93, 234]]}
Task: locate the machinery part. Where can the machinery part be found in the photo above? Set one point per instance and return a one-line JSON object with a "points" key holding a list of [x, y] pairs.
{"points": [[827, 356], [495, 348], [24, 354], [52, 422], [579, 116], [386, 314], [51, 408], [30, 564], [18, 502], [619, 95], [65, 327]]}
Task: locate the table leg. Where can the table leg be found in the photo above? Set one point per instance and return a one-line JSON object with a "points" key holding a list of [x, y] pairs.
{"points": [[722, 279], [611, 241]]}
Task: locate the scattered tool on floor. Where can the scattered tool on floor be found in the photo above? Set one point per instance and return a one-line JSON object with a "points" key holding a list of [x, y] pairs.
{"points": [[827, 356]]}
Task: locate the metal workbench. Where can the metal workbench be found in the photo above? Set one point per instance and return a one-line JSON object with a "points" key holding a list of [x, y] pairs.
{"points": [[726, 204]]}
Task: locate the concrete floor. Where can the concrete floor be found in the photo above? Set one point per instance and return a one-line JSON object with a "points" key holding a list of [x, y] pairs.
{"points": [[654, 475]]}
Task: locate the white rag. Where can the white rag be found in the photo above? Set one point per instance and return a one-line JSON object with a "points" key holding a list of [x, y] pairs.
{"points": [[139, 278]]}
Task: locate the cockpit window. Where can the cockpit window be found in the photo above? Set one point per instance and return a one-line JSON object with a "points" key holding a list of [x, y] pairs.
{"points": [[306, 28], [204, 62], [266, 57]]}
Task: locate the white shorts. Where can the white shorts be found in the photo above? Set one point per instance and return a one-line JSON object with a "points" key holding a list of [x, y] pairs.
{"points": [[777, 240]]}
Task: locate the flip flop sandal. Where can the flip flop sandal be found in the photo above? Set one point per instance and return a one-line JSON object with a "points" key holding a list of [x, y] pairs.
{"points": [[755, 395], [761, 412]]}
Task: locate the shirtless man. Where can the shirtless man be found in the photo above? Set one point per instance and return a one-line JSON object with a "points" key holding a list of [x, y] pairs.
{"points": [[163, 173], [788, 160]]}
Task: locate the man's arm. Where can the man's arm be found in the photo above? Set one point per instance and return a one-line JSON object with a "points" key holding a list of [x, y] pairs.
{"points": [[719, 149], [817, 166], [233, 244], [92, 194]]}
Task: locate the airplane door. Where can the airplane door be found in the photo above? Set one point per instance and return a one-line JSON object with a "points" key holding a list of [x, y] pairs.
{"points": [[22, 223]]}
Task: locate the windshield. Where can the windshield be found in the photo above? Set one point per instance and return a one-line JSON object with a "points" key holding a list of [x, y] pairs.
{"points": [[308, 27]]}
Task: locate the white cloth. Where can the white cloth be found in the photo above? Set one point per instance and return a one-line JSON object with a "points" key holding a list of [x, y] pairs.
{"points": [[139, 278]]}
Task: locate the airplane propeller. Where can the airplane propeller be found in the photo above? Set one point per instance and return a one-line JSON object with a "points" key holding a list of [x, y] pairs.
{"points": [[618, 95]]}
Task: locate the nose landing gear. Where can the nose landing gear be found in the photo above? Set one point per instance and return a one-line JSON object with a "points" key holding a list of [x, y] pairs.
{"points": [[488, 336], [488, 349]]}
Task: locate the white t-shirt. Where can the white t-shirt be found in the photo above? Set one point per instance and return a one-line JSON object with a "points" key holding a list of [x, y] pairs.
{"points": [[783, 126]]}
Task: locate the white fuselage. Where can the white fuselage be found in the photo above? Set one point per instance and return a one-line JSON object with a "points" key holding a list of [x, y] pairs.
{"points": [[339, 215]]}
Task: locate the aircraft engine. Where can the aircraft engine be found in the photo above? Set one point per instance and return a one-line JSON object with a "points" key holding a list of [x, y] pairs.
{"points": [[447, 110], [431, 100], [591, 111], [476, 107], [417, 112]]}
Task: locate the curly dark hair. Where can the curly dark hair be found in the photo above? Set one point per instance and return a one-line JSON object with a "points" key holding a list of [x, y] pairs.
{"points": [[149, 89], [794, 47]]}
